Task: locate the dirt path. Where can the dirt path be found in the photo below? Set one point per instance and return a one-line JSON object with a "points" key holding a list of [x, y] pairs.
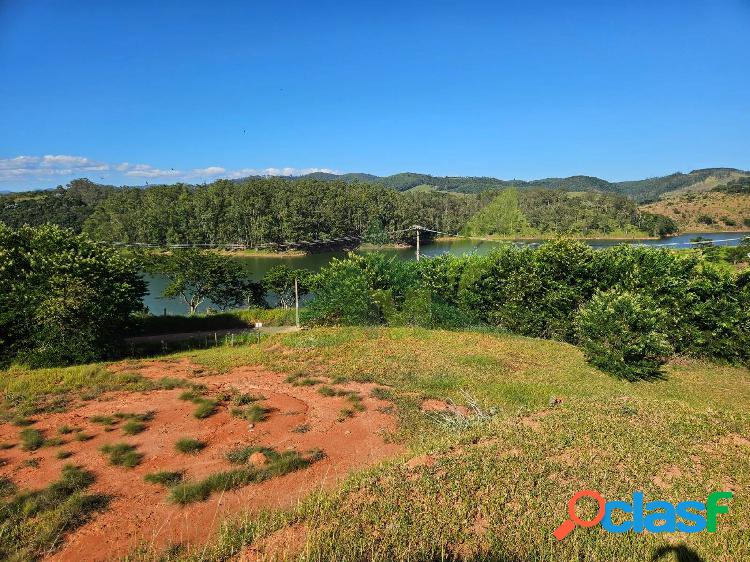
{"points": [[301, 419]]}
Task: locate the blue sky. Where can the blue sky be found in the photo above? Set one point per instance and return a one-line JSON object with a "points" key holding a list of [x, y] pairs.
{"points": [[129, 92]]}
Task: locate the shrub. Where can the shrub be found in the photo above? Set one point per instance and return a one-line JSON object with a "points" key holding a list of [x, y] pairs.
{"points": [[342, 295], [71, 297], [622, 333]]}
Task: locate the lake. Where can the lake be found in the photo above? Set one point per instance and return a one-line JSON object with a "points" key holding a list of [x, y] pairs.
{"points": [[257, 266]]}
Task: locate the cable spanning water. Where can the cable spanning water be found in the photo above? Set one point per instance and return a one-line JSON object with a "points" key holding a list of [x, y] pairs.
{"points": [[365, 238]]}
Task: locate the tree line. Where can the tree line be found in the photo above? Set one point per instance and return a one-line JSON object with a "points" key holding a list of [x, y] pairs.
{"points": [[273, 211]]}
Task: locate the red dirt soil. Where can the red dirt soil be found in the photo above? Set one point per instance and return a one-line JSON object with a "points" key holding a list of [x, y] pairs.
{"points": [[140, 513]]}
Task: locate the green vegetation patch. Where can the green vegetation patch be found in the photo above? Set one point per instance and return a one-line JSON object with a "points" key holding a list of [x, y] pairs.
{"points": [[189, 446], [31, 439], [283, 463], [122, 454], [253, 413], [165, 478], [31, 391], [35, 523], [541, 426]]}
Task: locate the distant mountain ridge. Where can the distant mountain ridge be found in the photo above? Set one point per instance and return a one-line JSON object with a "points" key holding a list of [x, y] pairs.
{"points": [[641, 191], [648, 189]]}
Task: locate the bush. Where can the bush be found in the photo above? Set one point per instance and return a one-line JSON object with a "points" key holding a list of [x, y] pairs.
{"points": [[71, 298], [622, 333], [538, 293], [342, 295], [532, 292]]}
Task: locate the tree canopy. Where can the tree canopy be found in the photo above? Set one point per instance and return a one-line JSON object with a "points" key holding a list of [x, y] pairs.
{"points": [[65, 299]]}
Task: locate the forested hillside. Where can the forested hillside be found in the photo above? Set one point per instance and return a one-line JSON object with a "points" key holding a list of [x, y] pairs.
{"points": [[68, 207], [643, 190], [272, 211], [549, 211], [267, 211]]}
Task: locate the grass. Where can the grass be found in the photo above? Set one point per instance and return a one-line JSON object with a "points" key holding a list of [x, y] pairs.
{"points": [[355, 401], [241, 455], [546, 425], [254, 413], [245, 399], [26, 392], [278, 465], [165, 478], [108, 422], [7, 487], [137, 423], [31, 439], [35, 522], [190, 395], [122, 454], [205, 407], [550, 425], [189, 446], [133, 427], [63, 454], [82, 436]]}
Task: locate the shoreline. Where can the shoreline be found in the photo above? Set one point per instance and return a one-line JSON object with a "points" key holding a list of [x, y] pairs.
{"points": [[537, 238], [262, 253]]}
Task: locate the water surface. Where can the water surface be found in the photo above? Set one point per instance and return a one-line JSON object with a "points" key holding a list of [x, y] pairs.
{"points": [[257, 266]]}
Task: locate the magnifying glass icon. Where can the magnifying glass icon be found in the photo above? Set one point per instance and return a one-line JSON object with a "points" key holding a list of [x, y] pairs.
{"points": [[569, 524]]}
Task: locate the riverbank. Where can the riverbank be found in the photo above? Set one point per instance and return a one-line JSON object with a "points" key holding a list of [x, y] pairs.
{"points": [[262, 253], [546, 238]]}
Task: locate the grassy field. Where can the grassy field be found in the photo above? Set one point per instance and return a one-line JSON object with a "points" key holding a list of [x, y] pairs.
{"points": [[494, 483], [494, 486]]}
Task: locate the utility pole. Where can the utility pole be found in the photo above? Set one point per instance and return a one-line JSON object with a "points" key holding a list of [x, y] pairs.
{"points": [[296, 302], [416, 227]]}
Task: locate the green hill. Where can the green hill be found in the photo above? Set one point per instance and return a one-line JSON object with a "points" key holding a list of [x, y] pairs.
{"points": [[649, 189]]}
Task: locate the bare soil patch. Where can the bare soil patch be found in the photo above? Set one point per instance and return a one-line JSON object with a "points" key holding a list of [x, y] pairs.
{"points": [[299, 418]]}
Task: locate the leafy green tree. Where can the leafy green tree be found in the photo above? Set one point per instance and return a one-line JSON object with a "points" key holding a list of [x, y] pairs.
{"points": [[195, 276], [501, 216], [279, 280], [68, 299]]}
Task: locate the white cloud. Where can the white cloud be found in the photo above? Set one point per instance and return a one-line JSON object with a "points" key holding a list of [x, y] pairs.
{"points": [[29, 168], [210, 171], [244, 172], [147, 171]]}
